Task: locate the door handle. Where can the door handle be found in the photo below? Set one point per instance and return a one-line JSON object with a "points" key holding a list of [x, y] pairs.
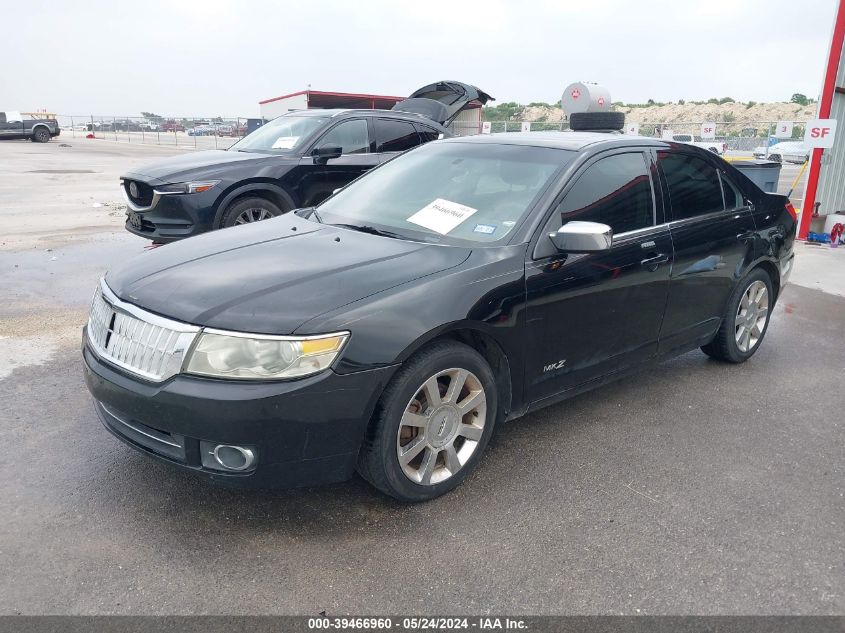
{"points": [[652, 263], [742, 237]]}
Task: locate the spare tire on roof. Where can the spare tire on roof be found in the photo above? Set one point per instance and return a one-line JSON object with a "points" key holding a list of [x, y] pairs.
{"points": [[587, 121]]}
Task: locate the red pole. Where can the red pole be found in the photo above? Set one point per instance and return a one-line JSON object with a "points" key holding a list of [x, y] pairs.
{"points": [[825, 103]]}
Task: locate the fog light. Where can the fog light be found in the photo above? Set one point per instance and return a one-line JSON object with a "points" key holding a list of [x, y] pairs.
{"points": [[227, 457]]}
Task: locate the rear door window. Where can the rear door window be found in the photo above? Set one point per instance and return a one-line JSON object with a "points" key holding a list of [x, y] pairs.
{"points": [[733, 197], [427, 133], [395, 136], [694, 187]]}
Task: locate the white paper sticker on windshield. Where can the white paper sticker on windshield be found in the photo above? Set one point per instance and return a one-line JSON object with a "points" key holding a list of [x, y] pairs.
{"points": [[441, 216], [285, 142]]}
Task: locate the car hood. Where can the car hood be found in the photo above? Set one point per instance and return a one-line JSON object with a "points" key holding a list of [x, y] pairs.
{"points": [[442, 101], [271, 277], [205, 164]]}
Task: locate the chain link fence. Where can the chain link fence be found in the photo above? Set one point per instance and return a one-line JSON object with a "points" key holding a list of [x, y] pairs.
{"points": [[739, 137], [193, 132], [188, 132]]}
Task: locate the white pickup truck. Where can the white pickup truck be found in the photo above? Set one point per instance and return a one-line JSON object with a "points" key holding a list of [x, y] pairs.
{"points": [[717, 147]]}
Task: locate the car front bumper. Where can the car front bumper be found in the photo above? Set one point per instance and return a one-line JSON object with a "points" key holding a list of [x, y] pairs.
{"points": [[303, 432], [172, 217]]}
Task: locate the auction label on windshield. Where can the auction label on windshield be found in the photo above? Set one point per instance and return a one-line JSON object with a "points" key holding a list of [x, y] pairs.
{"points": [[441, 216], [285, 142]]}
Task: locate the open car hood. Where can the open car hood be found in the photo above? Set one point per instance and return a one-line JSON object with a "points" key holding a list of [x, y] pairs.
{"points": [[442, 101]]}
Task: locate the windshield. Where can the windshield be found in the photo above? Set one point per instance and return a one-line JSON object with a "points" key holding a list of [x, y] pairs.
{"points": [[451, 193], [283, 134]]}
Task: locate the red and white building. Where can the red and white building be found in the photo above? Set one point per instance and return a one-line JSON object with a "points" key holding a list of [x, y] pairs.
{"points": [[825, 193]]}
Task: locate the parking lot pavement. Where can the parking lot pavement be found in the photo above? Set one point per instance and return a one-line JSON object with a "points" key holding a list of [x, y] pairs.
{"points": [[694, 487]]}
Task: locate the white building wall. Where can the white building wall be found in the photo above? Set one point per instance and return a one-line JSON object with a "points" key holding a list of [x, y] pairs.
{"points": [[279, 107], [467, 123]]}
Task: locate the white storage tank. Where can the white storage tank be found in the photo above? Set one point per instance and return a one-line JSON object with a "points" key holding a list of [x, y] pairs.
{"points": [[585, 97]]}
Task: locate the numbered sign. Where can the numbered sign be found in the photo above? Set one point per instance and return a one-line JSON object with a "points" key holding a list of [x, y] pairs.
{"points": [[820, 133], [668, 134], [486, 127], [783, 129], [633, 129], [526, 126], [708, 131]]}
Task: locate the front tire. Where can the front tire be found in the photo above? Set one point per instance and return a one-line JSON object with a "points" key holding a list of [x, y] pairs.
{"points": [[745, 321], [432, 424], [249, 210]]}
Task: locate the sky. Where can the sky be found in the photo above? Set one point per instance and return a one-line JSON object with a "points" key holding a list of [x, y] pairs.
{"points": [[220, 57]]}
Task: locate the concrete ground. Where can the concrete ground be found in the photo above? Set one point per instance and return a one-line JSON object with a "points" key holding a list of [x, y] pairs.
{"points": [[694, 488]]}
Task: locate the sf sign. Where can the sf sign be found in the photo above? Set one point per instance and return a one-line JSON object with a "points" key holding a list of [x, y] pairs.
{"points": [[820, 133]]}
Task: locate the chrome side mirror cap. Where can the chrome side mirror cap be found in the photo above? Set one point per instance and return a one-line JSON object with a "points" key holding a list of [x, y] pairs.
{"points": [[582, 237]]}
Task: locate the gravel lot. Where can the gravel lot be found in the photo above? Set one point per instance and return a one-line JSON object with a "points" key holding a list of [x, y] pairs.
{"points": [[696, 487]]}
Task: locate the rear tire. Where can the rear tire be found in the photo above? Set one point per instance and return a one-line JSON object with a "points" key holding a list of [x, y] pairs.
{"points": [[41, 135], [420, 446], [249, 210], [745, 321]]}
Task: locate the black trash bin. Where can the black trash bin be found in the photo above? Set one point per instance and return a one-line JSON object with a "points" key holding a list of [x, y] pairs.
{"points": [[763, 173]]}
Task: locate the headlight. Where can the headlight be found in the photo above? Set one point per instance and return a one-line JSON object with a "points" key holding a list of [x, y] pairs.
{"points": [[187, 187], [258, 357]]}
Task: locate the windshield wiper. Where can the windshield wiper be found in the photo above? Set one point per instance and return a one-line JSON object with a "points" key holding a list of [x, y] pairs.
{"points": [[365, 228]]}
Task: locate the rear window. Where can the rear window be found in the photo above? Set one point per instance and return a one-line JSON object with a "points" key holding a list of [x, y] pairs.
{"points": [[694, 187], [395, 136], [427, 133]]}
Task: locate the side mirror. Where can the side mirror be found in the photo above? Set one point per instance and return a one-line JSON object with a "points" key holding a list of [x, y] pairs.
{"points": [[582, 237], [324, 153]]}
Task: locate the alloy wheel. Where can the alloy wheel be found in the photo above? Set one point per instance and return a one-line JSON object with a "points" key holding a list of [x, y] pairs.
{"points": [[751, 316], [441, 426], [253, 214]]}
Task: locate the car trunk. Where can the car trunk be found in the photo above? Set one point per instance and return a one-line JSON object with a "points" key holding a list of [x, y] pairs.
{"points": [[443, 101]]}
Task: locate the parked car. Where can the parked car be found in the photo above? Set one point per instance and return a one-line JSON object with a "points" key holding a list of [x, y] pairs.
{"points": [[460, 285], [149, 126], [784, 152], [126, 125], [172, 126], [717, 147], [199, 130], [296, 160], [14, 125]]}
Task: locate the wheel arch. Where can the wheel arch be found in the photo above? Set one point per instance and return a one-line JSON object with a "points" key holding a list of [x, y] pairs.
{"points": [[474, 336], [774, 274], [41, 125], [253, 189]]}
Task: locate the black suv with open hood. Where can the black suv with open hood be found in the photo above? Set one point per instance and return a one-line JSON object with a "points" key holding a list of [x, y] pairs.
{"points": [[296, 160]]}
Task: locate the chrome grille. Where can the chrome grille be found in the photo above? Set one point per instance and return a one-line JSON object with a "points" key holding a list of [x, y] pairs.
{"points": [[142, 343]]}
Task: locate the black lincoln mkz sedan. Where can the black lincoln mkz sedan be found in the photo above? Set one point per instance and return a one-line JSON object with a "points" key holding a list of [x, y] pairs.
{"points": [[295, 160], [462, 284]]}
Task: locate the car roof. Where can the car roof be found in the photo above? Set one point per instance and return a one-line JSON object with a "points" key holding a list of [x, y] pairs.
{"points": [[572, 141], [337, 112]]}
